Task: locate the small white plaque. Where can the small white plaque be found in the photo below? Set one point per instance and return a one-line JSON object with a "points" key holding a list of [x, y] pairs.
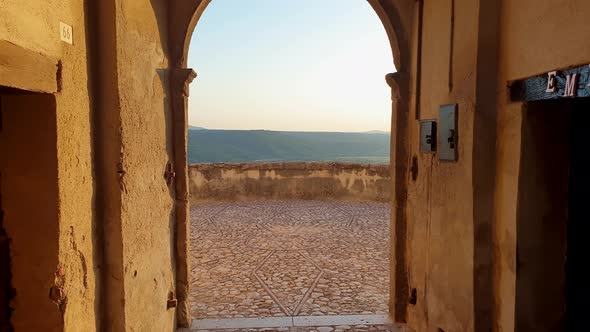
{"points": [[66, 33]]}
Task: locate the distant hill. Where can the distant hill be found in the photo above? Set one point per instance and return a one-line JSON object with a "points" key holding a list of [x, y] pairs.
{"points": [[210, 146]]}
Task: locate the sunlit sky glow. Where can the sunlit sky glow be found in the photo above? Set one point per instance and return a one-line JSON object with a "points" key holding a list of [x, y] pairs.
{"points": [[309, 65]]}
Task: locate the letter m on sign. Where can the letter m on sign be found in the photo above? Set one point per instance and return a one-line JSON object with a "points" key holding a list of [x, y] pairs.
{"points": [[571, 85]]}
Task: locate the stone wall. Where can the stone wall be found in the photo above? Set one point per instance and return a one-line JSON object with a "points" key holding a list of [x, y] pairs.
{"points": [[49, 138], [102, 231], [118, 118], [289, 180]]}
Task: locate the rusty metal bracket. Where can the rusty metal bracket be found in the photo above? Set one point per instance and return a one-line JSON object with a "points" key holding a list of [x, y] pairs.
{"points": [[169, 174], [171, 304]]}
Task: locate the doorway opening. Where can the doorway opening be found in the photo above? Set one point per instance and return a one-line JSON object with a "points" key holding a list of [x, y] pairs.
{"points": [[28, 212], [272, 237], [552, 228], [5, 275]]}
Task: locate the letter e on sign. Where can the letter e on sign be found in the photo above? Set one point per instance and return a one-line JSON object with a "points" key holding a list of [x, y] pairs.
{"points": [[66, 33], [551, 86]]}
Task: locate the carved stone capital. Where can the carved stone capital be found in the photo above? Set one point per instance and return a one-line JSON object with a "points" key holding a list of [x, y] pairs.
{"points": [[182, 78], [397, 82]]}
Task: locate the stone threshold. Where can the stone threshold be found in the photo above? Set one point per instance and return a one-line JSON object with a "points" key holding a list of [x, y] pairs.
{"points": [[285, 322]]}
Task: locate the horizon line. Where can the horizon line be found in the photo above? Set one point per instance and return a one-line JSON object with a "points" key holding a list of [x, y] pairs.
{"points": [[290, 130]]}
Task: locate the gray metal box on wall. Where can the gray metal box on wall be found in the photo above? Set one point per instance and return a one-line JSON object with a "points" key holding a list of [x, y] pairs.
{"points": [[428, 136], [448, 138]]}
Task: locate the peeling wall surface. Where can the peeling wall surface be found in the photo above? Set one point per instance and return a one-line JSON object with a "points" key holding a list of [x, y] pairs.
{"points": [[147, 214], [358, 182]]}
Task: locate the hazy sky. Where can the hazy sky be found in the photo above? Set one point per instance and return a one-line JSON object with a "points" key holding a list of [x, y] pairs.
{"points": [[312, 65]]}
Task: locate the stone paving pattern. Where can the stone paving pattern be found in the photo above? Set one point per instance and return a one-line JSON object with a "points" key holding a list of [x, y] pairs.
{"points": [[289, 258], [340, 328]]}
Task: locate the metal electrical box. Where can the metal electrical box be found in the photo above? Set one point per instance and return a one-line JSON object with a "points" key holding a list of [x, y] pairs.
{"points": [[427, 136], [448, 138]]}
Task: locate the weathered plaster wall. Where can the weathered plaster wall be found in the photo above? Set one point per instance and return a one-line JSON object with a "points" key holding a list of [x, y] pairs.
{"points": [[536, 37], [113, 140], [34, 25], [440, 198], [147, 215], [289, 180], [470, 210]]}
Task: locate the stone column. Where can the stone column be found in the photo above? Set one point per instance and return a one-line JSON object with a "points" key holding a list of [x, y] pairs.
{"points": [[399, 292], [181, 78]]}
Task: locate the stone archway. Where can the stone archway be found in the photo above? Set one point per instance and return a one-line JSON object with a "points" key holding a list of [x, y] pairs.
{"points": [[397, 17]]}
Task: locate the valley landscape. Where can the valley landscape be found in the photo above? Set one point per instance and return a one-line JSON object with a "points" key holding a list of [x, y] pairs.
{"points": [[214, 146]]}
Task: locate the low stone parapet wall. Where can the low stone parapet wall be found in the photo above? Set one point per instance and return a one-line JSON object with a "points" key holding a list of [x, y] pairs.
{"points": [[290, 180]]}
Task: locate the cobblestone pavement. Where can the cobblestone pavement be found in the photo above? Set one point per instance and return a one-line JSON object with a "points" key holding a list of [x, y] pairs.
{"points": [[347, 328], [289, 258]]}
